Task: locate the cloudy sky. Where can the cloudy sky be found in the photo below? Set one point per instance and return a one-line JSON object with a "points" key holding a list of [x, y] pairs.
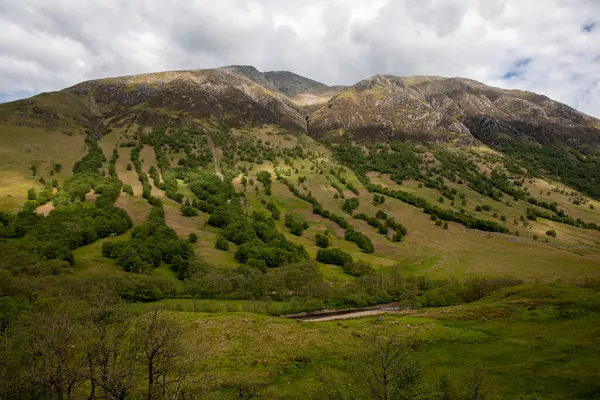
{"points": [[547, 46]]}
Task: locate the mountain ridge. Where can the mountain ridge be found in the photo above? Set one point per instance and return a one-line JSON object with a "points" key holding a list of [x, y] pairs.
{"points": [[455, 109]]}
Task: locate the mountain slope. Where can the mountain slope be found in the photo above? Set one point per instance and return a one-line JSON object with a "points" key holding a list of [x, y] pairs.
{"points": [[541, 135], [393, 107]]}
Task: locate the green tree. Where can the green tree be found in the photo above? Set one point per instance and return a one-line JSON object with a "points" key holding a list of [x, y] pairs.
{"points": [[128, 189], [321, 240], [32, 194], [188, 211], [334, 256], [192, 237], [222, 243]]}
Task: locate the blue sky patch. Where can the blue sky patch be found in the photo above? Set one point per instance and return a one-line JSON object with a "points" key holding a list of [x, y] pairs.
{"points": [[517, 68], [589, 27]]}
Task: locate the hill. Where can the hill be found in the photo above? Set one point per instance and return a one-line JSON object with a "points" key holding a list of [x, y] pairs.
{"points": [[207, 190]]}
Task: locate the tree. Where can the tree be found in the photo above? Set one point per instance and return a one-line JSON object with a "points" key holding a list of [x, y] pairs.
{"points": [[333, 256], [388, 367], [192, 237], [128, 189], [188, 211], [57, 168], [551, 233], [322, 241], [31, 194], [476, 385], [222, 244], [56, 340], [160, 339], [111, 359]]}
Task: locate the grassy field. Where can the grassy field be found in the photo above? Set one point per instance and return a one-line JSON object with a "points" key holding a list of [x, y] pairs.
{"points": [[536, 341], [23, 147]]}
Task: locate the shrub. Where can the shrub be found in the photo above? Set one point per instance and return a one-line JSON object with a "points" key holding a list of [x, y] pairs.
{"points": [[446, 225], [128, 189], [551, 232], [222, 244], [295, 223], [362, 240], [381, 215], [192, 237], [31, 194], [333, 256], [358, 268], [322, 240], [188, 211], [350, 205]]}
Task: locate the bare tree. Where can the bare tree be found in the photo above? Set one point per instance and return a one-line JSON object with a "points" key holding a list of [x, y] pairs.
{"points": [[110, 352], [389, 367], [159, 337], [476, 385], [56, 341], [386, 368]]}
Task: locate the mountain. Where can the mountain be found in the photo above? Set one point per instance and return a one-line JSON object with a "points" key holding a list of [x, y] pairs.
{"points": [[380, 107], [394, 107], [542, 134], [180, 207]]}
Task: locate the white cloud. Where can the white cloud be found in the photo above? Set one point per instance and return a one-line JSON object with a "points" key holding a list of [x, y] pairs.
{"points": [[49, 44]]}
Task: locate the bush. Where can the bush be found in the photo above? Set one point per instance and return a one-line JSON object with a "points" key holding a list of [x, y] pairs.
{"points": [[322, 241], [381, 215], [446, 225], [358, 268], [188, 211], [295, 223], [31, 194], [222, 244], [128, 189], [551, 232], [362, 240], [333, 256], [192, 237], [350, 205], [438, 222]]}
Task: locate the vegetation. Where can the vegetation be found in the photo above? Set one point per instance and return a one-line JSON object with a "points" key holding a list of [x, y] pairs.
{"points": [[104, 295], [333, 256], [322, 241]]}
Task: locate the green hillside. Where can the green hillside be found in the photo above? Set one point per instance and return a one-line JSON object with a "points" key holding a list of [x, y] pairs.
{"points": [[117, 201]]}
